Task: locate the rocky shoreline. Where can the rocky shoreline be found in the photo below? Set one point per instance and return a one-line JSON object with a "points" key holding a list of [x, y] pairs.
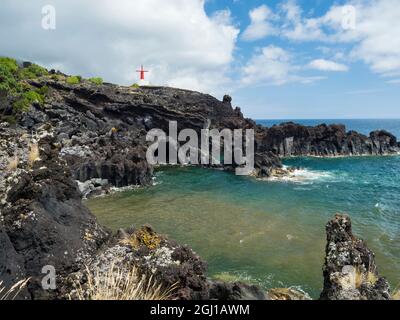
{"points": [[86, 138]]}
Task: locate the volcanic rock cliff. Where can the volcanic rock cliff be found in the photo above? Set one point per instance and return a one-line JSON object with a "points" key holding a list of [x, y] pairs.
{"points": [[102, 129], [96, 132]]}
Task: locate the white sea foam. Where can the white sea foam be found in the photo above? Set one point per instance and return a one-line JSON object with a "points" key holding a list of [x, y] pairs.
{"points": [[304, 176]]}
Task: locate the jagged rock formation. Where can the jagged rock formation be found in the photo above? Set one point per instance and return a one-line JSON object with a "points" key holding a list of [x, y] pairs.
{"points": [[43, 221], [290, 139], [102, 129], [350, 272]]}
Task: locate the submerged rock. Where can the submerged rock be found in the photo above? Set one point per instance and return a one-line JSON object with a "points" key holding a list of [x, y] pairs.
{"points": [[350, 272]]}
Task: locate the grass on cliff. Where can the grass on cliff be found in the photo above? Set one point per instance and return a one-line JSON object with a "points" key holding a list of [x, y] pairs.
{"points": [[116, 283], [74, 80], [98, 81], [12, 293], [13, 85]]}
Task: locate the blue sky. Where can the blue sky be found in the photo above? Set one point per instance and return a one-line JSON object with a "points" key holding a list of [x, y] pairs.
{"points": [[357, 93], [287, 59]]}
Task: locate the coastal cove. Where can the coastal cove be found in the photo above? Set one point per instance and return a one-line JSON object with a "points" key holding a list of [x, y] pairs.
{"points": [[72, 138], [268, 232]]}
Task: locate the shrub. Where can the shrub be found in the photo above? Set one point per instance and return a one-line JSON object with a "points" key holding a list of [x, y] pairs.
{"points": [[9, 63], [97, 81], [116, 283], [8, 83], [135, 85], [58, 77], [43, 90], [32, 72], [74, 80], [26, 100]]}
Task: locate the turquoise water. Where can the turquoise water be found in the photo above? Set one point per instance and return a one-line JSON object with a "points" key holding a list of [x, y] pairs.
{"points": [[364, 126], [269, 232]]}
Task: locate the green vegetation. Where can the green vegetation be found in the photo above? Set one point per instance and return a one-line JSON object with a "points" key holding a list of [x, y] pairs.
{"points": [[58, 77], [135, 85], [32, 72], [9, 63], [74, 80], [27, 98], [98, 81], [14, 86], [8, 82]]}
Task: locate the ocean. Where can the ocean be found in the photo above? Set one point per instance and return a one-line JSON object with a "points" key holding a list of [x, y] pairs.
{"points": [[271, 232]]}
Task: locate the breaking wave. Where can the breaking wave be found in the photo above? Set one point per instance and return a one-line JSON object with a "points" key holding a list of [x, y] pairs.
{"points": [[304, 176]]}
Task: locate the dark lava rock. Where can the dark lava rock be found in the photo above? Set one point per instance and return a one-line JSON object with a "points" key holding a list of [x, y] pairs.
{"points": [[45, 223], [290, 139], [350, 272]]}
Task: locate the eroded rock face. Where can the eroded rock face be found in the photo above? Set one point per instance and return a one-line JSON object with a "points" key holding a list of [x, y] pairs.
{"points": [[290, 139], [350, 272], [43, 222], [102, 129]]}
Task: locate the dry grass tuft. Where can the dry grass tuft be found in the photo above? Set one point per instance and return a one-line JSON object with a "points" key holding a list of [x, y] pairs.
{"points": [[119, 284], [13, 292], [13, 164], [396, 293], [33, 155], [364, 278]]}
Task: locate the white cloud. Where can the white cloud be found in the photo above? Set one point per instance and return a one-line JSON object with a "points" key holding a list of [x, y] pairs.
{"points": [[295, 27], [259, 27], [374, 40], [174, 39], [378, 28], [327, 65], [273, 66], [394, 81]]}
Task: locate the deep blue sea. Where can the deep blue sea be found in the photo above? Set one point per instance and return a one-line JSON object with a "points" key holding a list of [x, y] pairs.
{"points": [[272, 232]]}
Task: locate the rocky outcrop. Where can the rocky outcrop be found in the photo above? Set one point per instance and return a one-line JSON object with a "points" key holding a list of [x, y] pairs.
{"points": [[350, 272], [290, 139], [102, 129], [43, 221]]}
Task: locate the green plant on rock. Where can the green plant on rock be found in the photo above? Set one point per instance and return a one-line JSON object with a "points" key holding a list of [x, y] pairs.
{"points": [[58, 77], [97, 80], [32, 72], [135, 85], [24, 103], [9, 63], [8, 83], [74, 80]]}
